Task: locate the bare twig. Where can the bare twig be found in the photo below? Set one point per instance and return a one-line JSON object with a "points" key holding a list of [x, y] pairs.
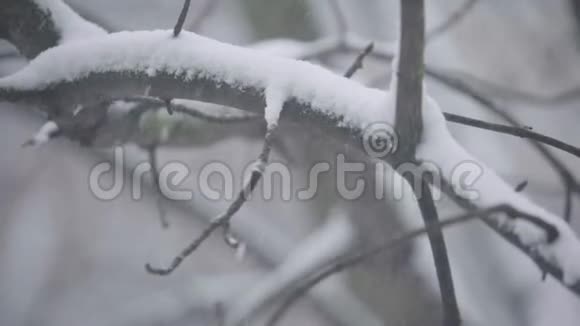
{"points": [[152, 157], [223, 220], [430, 215], [193, 111], [552, 235], [455, 18], [570, 182], [350, 261], [323, 246], [358, 62], [522, 186], [344, 263], [181, 19], [514, 131]]}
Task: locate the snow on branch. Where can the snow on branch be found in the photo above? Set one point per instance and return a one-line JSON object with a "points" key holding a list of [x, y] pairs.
{"points": [[68, 23], [86, 72], [36, 25], [190, 67], [493, 191]]}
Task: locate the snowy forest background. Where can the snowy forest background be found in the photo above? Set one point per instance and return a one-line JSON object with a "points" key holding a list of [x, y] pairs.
{"points": [[67, 258]]}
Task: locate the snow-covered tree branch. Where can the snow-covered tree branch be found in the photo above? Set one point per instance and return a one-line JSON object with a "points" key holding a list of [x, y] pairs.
{"points": [[84, 83]]}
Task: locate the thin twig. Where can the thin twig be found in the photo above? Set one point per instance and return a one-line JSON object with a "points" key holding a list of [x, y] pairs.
{"points": [[344, 263], [181, 19], [552, 234], [438, 246], [152, 157], [522, 186], [223, 220], [175, 106], [455, 18], [231, 118], [358, 62], [514, 131], [570, 183]]}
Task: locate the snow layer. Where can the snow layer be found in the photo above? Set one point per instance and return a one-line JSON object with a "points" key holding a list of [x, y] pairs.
{"points": [[44, 134], [192, 56], [440, 147], [275, 98], [70, 25]]}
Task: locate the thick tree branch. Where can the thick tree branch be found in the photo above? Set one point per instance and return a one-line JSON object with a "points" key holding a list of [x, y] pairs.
{"points": [[408, 83], [193, 67]]}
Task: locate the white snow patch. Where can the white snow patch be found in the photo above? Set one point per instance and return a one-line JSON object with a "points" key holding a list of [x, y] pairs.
{"points": [[44, 134], [275, 99], [70, 25], [193, 56], [123, 106], [439, 146]]}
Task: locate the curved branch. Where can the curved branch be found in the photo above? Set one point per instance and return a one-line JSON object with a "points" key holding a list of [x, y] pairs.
{"points": [[36, 25], [193, 67], [29, 28]]}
